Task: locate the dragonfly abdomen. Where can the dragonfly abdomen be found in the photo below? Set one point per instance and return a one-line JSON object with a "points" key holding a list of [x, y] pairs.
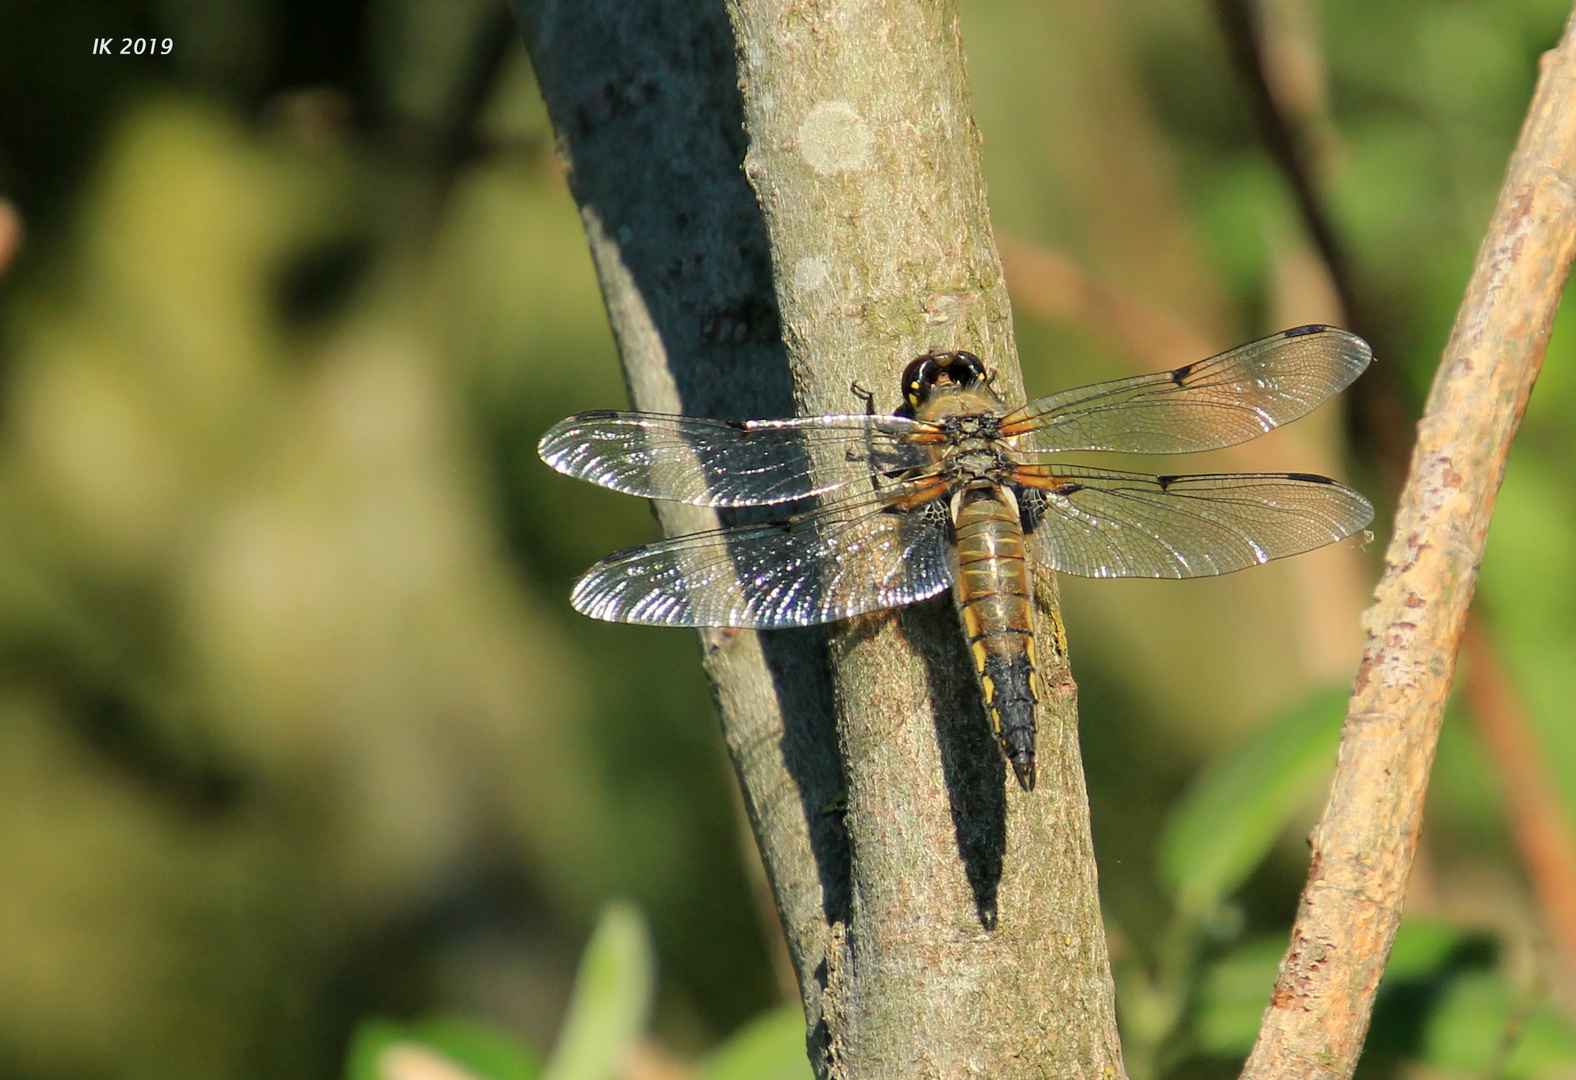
{"points": [[992, 592]]}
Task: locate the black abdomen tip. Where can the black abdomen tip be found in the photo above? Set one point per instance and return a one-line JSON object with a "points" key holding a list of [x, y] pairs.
{"points": [[1011, 699], [1024, 767]]}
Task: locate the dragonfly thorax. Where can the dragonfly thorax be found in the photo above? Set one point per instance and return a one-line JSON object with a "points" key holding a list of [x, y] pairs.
{"points": [[969, 465], [973, 433]]}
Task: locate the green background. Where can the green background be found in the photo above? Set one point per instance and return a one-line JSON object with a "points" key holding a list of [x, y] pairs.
{"points": [[302, 750]]}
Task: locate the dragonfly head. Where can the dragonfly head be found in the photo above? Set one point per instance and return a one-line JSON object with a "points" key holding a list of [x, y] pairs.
{"points": [[953, 370]]}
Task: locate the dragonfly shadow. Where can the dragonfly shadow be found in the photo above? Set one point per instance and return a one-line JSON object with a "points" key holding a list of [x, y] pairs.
{"points": [[971, 763]]}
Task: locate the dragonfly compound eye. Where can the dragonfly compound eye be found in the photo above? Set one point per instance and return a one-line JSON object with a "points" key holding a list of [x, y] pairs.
{"points": [[918, 378], [967, 368], [925, 373]]}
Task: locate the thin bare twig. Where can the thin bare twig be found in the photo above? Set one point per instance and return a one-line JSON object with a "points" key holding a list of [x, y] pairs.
{"points": [[1057, 288], [1299, 134], [1364, 846]]}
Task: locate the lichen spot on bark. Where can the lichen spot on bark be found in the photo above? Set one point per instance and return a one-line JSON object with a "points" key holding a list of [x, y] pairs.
{"points": [[834, 138], [811, 274]]}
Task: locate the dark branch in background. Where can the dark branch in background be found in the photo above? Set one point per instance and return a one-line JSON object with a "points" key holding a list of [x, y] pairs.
{"points": [[1364, 845], [1290, 151], [1381, 417], [458, 142]]}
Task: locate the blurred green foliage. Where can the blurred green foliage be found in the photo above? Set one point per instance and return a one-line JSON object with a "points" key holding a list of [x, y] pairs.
{"points": [[475, 1048], [602, 1029], [296, 727], [612, 997], [1222, 828], [1437, 1005]]}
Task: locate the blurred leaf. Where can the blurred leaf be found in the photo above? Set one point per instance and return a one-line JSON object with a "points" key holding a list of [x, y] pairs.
{"points": [[611, 999], [473, 1048], [1471, 1023], [1233, 995], [1225, 824], [1422, 947], [770, 1047]]}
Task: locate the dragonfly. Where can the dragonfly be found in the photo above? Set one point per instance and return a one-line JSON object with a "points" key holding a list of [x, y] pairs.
{"points": [[957, 490]]}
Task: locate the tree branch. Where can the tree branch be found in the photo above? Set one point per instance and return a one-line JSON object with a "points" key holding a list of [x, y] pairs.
{"points": [[1364, 846], [954, 929], [973, 944]]}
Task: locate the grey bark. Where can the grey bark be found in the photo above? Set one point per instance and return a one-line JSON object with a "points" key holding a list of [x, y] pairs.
{"points": [[645, 108], [947, 925]]}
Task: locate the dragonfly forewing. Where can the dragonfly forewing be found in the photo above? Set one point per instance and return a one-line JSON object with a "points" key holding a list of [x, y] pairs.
{"points": [[1225, 400], [730, 463]]}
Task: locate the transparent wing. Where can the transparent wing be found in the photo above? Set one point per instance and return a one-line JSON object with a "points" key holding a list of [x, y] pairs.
{"points": [[1095, 523], [730, 463], [845, 558], [1227, 399]]}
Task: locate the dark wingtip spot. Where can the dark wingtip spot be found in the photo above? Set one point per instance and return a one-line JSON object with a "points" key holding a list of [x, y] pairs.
{"points": [[1304, 331], [1309, 478], [596, 414]]}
